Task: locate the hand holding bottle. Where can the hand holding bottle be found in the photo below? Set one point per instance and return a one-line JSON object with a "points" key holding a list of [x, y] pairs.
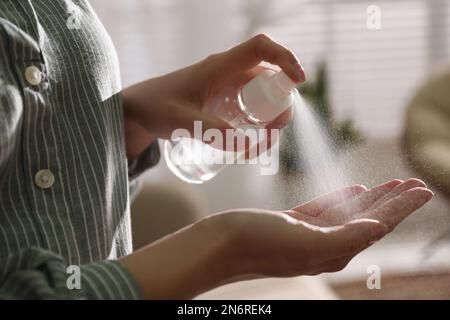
{"points": [[157, 107]]}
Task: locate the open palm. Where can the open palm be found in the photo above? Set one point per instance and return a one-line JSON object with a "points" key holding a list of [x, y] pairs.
{"points": [[325, 234], [390, 203]]}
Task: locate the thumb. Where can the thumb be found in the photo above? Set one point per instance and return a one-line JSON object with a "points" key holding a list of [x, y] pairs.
{"points": [[355, 236]]}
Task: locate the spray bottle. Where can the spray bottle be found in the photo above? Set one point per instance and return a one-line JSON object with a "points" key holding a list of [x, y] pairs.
{"points": [[259, 102]]}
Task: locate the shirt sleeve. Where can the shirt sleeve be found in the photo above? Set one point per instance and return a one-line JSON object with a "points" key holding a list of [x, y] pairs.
{"points": [[35, 273], [147, 159]]}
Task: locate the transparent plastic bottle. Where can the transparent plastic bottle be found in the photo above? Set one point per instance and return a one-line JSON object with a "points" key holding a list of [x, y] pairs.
{"points": [[259, 102]]}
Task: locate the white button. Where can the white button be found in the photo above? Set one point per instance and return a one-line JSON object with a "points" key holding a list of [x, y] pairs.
{"points": [[44, 179], [33, 75]]}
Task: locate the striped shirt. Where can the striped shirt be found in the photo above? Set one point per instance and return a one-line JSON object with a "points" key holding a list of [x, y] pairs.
{"points": [[64, 189]]}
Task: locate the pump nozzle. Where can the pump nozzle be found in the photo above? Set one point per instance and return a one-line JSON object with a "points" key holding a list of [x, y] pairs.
{"points": [[281, 85], [266, 96]]}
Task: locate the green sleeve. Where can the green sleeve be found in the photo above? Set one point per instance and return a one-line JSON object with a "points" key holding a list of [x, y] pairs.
{"points": [[35, 273]]}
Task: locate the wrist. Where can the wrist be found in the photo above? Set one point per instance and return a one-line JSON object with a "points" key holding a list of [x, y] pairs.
{"points": [[233, 256], [221, 262]]}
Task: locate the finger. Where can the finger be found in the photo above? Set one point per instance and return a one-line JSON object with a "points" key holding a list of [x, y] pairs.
{"points": [[318, 205], [250, 53], [351, 238], [362, 202], [244, 77], [408, 184], [394, 211]]}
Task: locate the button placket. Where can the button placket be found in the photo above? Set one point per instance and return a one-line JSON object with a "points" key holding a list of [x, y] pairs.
{"points": [[44, 179], [33, 75]]}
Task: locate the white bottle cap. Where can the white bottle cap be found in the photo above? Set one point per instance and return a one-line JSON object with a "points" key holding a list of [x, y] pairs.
{"points": [[282, 85], [268, 95]]}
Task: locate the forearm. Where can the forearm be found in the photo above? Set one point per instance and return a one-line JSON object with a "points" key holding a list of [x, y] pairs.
{"points": [[137, 100], [179, 266], [184, 264], [140, 101]]}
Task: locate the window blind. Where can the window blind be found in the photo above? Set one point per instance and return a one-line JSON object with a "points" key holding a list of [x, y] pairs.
{"points": [[372, 73]]}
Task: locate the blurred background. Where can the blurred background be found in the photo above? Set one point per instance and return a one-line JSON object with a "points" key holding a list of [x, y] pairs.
{"points": [[376, 90]]}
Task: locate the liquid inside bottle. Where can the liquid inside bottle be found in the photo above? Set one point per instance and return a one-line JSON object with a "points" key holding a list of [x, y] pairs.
{"points": [[252, 108]]}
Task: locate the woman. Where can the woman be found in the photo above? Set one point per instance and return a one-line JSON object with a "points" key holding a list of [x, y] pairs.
{"points": [[71, 139]]}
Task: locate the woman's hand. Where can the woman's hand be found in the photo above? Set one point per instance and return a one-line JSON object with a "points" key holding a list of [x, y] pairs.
{"points": [[322, 235], [157, 107]]}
